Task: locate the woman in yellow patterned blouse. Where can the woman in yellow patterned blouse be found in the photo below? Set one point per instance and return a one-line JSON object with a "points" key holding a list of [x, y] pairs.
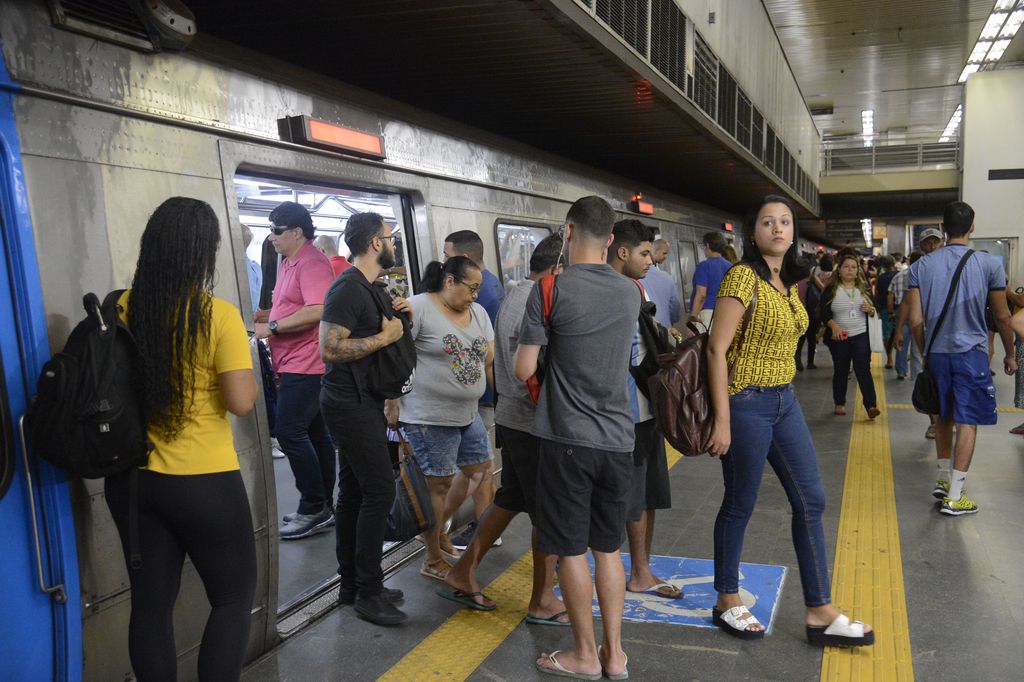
{"points": [[758, 420]]}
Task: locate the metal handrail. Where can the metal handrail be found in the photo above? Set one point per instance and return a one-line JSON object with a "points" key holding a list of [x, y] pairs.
{"points": [[839, 159], [60, 595]]}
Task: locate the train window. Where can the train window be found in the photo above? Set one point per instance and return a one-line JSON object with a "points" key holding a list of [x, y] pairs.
{"points": [[515, 246], [304, 566]]}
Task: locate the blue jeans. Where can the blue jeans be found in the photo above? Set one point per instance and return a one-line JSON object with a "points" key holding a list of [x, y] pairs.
{"points": [[909, 348], [767, 425], [303, 437], [856, 349]]}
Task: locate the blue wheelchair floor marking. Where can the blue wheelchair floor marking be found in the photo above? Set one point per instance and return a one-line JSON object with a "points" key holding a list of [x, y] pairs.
{"points": [[760, 586]]}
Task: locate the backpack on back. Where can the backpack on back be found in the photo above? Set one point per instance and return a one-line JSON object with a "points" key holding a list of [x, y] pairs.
{"points": [[680, 396], [86, 417], [547, 297]]}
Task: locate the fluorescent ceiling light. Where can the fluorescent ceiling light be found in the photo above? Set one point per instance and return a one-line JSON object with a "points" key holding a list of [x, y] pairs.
{"points": [[968, 70], [998, 48], [980, 50], [1003, 4], [1013, 24], [993, 25], [954, 123]]}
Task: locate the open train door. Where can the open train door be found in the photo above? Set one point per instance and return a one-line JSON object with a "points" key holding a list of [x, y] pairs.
{"points": [[40, 614]]}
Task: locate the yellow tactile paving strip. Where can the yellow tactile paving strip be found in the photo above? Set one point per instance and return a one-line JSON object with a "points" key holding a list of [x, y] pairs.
{"points": [[458, 647], [908, 406], [867, 580]]}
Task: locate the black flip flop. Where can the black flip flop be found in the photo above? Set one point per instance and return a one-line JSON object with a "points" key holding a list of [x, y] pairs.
{"points": [[466, 598], [553, 620]]}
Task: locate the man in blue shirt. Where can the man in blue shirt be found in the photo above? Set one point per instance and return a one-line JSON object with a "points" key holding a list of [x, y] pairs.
{"points": [[254, 270], [958, 358], [661, 288], [707, 278], [469, 244]]}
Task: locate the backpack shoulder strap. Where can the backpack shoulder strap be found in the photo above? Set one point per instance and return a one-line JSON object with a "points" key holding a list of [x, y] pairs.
{"points": [[547, 296], [949, 299], [643, 292]]}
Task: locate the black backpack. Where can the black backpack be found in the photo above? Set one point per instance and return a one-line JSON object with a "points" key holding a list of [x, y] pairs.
{"points": [[390, 369], [86, 417], [657, 340]]}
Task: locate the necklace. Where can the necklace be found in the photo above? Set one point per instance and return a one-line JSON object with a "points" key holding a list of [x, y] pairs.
{"points": [[850, 291]]}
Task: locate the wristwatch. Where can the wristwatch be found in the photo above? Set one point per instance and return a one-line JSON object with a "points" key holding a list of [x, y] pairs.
{"points": [[273, 327]]}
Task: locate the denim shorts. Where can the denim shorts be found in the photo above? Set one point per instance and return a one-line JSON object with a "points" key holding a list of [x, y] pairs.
{"points": [[967, 394], [443, 450]]}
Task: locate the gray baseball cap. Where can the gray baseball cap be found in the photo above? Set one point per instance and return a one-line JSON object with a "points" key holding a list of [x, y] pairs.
{"points": [[930, 232]]}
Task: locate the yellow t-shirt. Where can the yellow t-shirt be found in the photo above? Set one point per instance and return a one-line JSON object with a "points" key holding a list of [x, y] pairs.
{"points": [[775, 327], [205, 444]]}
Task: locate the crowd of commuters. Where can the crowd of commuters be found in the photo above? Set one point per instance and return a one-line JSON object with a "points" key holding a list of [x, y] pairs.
{"points": [[584, 459]]}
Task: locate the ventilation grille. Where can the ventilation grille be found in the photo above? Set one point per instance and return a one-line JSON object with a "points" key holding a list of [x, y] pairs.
{"points": [[115, 21], [743, 111], [627, 18], [769, 150], [705, 67], [757, 135], [726, 101], [668, 41]]}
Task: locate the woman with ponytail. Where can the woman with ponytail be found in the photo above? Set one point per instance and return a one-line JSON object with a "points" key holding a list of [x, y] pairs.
{"points": [[454, 358], [195, 367]]}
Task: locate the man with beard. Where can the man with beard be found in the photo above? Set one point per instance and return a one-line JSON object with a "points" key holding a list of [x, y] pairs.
{"points": [[352, 329]]}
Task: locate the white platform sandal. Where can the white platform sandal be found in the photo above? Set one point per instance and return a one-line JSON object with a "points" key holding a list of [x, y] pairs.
{"points": [[842, 632], [731, 622]]}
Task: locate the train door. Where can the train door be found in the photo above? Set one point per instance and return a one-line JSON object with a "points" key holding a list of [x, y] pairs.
{"points": [[688, 255], [306, 567], [40, 627]]}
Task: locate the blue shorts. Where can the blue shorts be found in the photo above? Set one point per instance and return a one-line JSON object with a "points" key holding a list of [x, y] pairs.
{"points": [[967, 394], [443, 450]]}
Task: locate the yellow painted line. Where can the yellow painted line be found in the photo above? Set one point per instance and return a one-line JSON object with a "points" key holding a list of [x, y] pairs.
{"points": [[907, 406], [867, 581], [458, 647]]}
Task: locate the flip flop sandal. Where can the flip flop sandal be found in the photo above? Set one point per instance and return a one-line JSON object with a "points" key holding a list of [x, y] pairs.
{"points": [[558, 670], [448, 555], [429, 571], [842, 632], [667, 590], [553, 620], [624, 675], [466, 598], [730, 622]]}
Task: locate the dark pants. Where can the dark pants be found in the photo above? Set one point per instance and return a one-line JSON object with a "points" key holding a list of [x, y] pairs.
{"points": [[303, 437], [205, 516], [767, 425], [367, 490], [810, 337], [856, 349]]}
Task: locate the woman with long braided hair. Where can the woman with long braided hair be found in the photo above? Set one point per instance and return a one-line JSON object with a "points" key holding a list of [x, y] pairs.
{"points": [[195, 367]]}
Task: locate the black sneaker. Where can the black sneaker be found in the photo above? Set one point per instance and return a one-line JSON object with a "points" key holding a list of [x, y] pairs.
{"points": [[379, 611], [347, 598]]}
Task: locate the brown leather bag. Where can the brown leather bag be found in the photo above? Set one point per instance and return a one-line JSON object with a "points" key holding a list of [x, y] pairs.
{"points": [[680, 395]]}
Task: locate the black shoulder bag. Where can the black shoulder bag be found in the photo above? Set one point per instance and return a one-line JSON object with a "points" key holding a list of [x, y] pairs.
{"points": [[926, 393]]}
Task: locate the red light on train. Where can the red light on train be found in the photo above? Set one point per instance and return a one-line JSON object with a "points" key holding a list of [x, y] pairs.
{"points": [[316, 133], [727, 227], [638, 205]]}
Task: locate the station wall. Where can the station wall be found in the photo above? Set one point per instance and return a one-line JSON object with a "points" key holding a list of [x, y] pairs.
{"points": [[993, 139]]}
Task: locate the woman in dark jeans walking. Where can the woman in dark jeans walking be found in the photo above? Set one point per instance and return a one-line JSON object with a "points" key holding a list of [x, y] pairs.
{"points": [[758, 421], [196, 367], [846, 304]]}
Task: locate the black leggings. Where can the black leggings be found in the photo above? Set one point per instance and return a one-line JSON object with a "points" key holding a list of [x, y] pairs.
{"points": [[207, 517]]}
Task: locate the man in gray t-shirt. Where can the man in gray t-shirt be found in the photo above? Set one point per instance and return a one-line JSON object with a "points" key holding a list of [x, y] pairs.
{"points": [[585, 423], [520, 452]]}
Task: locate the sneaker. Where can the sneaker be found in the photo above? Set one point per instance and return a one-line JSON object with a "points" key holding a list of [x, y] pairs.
{"points": [[873, 412], [930, 433], [275, 449], [304, 525], [964, 505], [387, 594], [941, 489], [378, 610], [462, 540], [288, 518]]}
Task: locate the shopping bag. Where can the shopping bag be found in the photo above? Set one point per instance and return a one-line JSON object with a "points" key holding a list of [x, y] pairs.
{"points": [[412, 512], [875, 334]]}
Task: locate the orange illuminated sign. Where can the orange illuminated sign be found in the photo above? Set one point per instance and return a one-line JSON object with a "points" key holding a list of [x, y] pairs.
{"points": [[314, 132], [638, 205]]}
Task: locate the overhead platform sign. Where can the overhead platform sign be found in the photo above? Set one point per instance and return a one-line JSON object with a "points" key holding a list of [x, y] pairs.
{"points": [[760, 587], [313, 132]]}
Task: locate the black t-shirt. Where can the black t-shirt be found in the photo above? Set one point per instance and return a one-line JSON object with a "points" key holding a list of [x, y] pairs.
{"points": [[349, 303]]}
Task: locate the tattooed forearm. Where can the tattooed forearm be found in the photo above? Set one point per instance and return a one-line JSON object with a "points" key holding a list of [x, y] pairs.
{"points": [[337, 346]]}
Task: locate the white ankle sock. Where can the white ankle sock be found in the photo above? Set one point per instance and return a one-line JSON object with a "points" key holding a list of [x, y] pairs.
{"points": [[956, 484], [942, 467]]}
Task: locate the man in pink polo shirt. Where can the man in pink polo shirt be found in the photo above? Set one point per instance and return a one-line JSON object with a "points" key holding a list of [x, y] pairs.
{"points": [[303, 279]]}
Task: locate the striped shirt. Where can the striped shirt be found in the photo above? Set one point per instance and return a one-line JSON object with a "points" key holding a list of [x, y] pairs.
{"points": [[847, 313], [898, 286]]}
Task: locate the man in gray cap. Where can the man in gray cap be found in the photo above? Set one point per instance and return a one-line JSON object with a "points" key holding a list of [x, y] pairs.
{"points": [[928, 241]]}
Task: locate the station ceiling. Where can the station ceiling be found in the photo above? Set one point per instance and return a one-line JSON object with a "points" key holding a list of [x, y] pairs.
{"points": [[518, 68]]}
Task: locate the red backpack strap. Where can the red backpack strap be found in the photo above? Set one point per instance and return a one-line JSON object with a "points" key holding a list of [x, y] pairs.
{"points": [[547, 295], [643, 292]]}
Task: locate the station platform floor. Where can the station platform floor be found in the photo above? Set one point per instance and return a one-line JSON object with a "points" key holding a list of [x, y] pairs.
{"points": [[945, 594]]}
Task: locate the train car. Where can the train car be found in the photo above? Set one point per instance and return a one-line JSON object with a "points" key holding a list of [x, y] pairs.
{"points": [[95, 134]]}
